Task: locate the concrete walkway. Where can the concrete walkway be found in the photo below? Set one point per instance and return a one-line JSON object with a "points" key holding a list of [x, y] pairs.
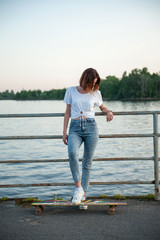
{"points": [[139, 220]]}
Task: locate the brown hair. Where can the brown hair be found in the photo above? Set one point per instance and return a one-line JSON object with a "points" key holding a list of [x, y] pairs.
{"points": [[87, 79]]}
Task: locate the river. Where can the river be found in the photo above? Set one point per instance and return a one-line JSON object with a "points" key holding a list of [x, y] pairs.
{"points": [[55, 149]]}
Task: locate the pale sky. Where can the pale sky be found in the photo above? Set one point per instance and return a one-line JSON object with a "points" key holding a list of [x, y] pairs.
{"points": [[47, 44]]}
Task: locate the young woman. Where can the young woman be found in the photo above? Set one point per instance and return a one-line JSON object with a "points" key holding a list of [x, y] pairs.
{"points": [[81, 101]]}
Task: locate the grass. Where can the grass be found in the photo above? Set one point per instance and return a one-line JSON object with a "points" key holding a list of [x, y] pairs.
{"points": [[4, 199], [29, 200], [26, 201], [149, 196]]}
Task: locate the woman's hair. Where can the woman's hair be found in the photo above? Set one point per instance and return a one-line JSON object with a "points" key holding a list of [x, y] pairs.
{"points": [[87, 79]]}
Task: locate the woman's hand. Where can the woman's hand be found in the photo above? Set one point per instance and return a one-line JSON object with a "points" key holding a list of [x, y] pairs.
{"points": [[65, 138], [65, 124], [109, 116]]}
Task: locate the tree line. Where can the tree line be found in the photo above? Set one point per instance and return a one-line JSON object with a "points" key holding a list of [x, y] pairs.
{"points": [[139, 84], [54, 94]]}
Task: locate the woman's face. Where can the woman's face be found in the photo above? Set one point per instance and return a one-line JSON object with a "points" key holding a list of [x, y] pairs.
{"points": [[94, 82]]}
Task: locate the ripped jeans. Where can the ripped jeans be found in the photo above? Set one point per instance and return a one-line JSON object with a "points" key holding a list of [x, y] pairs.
{"points": [[82, 130]]}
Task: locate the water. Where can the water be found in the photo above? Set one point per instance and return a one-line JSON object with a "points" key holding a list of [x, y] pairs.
{"points": [[55, 149]]}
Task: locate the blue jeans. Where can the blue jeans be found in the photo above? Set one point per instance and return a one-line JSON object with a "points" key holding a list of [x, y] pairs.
{"points": [[80, 131]]}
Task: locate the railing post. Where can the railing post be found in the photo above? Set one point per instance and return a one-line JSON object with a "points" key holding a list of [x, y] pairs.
{"points": [[156, 156]]}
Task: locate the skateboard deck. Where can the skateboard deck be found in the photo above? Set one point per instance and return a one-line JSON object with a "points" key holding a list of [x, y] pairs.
{"points": [[83, 205]]}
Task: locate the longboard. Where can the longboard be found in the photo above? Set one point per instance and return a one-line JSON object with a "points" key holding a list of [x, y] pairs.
{"points": [[83, 205]]}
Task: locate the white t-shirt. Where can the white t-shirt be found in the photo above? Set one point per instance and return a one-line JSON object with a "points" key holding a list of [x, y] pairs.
{"points": [[82, 104]]}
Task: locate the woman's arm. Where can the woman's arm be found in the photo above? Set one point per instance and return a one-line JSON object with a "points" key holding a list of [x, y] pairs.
{"points": [[65, 124], [109, 114]]}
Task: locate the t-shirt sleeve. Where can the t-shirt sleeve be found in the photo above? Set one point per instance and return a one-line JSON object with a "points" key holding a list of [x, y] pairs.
{"points": [[67, 97], [99, 99]]}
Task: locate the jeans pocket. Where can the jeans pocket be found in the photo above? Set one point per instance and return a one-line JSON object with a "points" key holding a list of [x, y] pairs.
{"points": [[72, 126], [93, 124]]}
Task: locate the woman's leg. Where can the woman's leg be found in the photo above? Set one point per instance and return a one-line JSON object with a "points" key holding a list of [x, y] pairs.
{"points": [[74, 143], [90, 143]]}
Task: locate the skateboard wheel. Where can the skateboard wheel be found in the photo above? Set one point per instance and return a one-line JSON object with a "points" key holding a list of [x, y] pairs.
{"points": [[111, 211], [83, 207], [42, 208], [39, 210]]}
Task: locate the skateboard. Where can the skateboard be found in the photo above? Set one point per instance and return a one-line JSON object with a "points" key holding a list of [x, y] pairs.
{"points": [[82, 206]]}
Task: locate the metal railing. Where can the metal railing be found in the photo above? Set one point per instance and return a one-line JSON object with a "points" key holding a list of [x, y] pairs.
{"points": [[155, 135]]}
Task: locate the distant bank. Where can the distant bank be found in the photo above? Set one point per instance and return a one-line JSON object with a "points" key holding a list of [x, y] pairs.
{"points": [[139, 85]]}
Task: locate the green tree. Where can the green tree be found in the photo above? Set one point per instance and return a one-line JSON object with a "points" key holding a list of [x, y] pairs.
{"points": [[110, 87]]}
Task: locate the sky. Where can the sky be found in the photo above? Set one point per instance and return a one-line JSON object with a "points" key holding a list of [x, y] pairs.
{"points": [[47, 44]]}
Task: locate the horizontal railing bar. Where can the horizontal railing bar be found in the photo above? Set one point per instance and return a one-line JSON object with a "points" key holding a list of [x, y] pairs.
{"points": [[60, 136], [122, 182], [67, 160], [130, 113], [26, 115], [71, 184], [21, 115], [126, 135], [30, 137], [133, 113]]}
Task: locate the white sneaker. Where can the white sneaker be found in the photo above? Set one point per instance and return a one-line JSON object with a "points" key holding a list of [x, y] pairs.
{"points": [[83, 198], [78, 195]]}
